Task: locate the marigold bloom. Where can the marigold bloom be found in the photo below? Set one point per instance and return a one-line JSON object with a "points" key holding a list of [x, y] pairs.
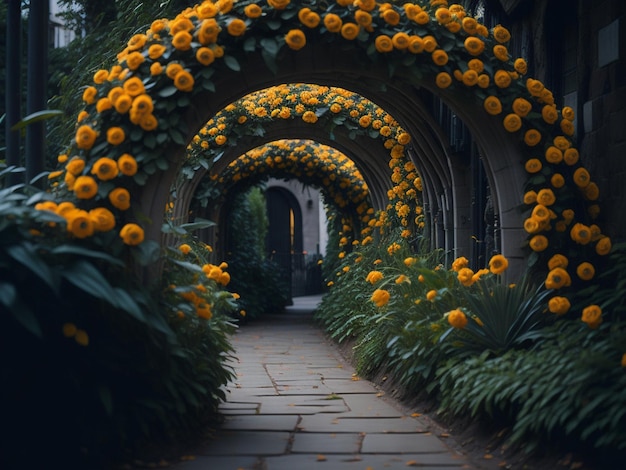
{"points": [[383, 43], [592, 316], [443, 80], [559, 305], [85, 137], [333, 22], [474, 45], [558, 261], [533, 165], [498, 264], [132, 234], [380, 297], [374, 276], [603, 246], [492, 105], [549, 114], [500, 52], [512, 122], [253, 11], [538, 243], [546, 197], [585, 271], [554, 155], [502, 79], [501, 34], [465, 276], [460, 262], [440, 57], [580, 233], [184, 81], [120, 198], [557, 278], [115, 135], [295, 39], [103, 219], [79, 224], [105, 168], [134, 86], [85, 187], [350, 31], [457, 318], [309, 117], [520, 66], [401, 40]]}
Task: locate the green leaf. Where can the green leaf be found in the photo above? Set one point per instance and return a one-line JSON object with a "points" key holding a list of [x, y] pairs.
{"points": [[249, 44], [189, 266], [124, 301], [167, 91], [86, 277], [232, 63], [36, 117], [270, 46], [26, 255], [85, 252], [198, 224], [177, 137], [106, 399], [8, 297]]}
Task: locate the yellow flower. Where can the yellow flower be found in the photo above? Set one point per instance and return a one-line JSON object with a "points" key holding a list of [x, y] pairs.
{"points": [[85, 187], [120, 198], [115, 135], [585, 271], [546, 197], [492, 105], [184, 81], [553, 154], [580, 233], [474, 45], [549, 114], [457, 318], [559, 305], [103, 219], [295, 39], [132, 234], [134, 86], [520, 66], [383, 43], [400, 40], [502, 79], [184, 248], [333, 22], [380, 297], [592, 316], [498, 264], [79, 224], [443, 80], [530, 197], [123, 103], [557, 278], [127, 165], [465, 276], [350, 31], [558, 261], [236, 27], [459, 263], [538, 243], [182, 40], [105, 168], [391, 17], [440, 57], [253, 11], [512, 122], [85, 137], [134, 60], [89, 95], [603, 246], [374, 276], [205, 55], [103, 104], [431, 295]]}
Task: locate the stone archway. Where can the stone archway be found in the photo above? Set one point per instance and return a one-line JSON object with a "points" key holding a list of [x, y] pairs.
{"points": [[182, 71]]}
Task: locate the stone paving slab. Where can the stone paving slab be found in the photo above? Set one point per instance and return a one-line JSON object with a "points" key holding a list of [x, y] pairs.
{"points": [[297, 405]]}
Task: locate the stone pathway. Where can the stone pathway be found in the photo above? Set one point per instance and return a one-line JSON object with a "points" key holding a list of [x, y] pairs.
{"points": [[297, 405]]}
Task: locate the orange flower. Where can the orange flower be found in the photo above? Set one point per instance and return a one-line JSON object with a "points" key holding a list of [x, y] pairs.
{"points": [[333, 22], [85, 187], [592, 316], [400, 40], [546, 197], [549, 114], [443, 80], [134, 86], [492, 105], [512, 122], [132, 234], [79, 224], [553, 155], [559, 305], [440, 57], [103, 219], [557, 278], [380, 297], [123, 103], [350, 31], [295, 39], [538, 243], [89, 95], [383, 43], [236, 27], [134, 60], [205, 55], [474, 46], [532, 137], [585, 271], [85, 137], [457, 318], [501, 34], [498, 264], [253, 11], [182, 40], [115, 135], [184, 81], [127, 165], [105, 169], [581, 177], [120, 198]]}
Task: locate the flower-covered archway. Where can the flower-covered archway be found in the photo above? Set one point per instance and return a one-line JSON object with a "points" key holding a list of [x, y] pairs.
{"points": [[140, 114]]}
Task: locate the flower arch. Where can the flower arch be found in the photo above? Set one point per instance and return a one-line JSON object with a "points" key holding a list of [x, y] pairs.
{"points": [[140, 114]]}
